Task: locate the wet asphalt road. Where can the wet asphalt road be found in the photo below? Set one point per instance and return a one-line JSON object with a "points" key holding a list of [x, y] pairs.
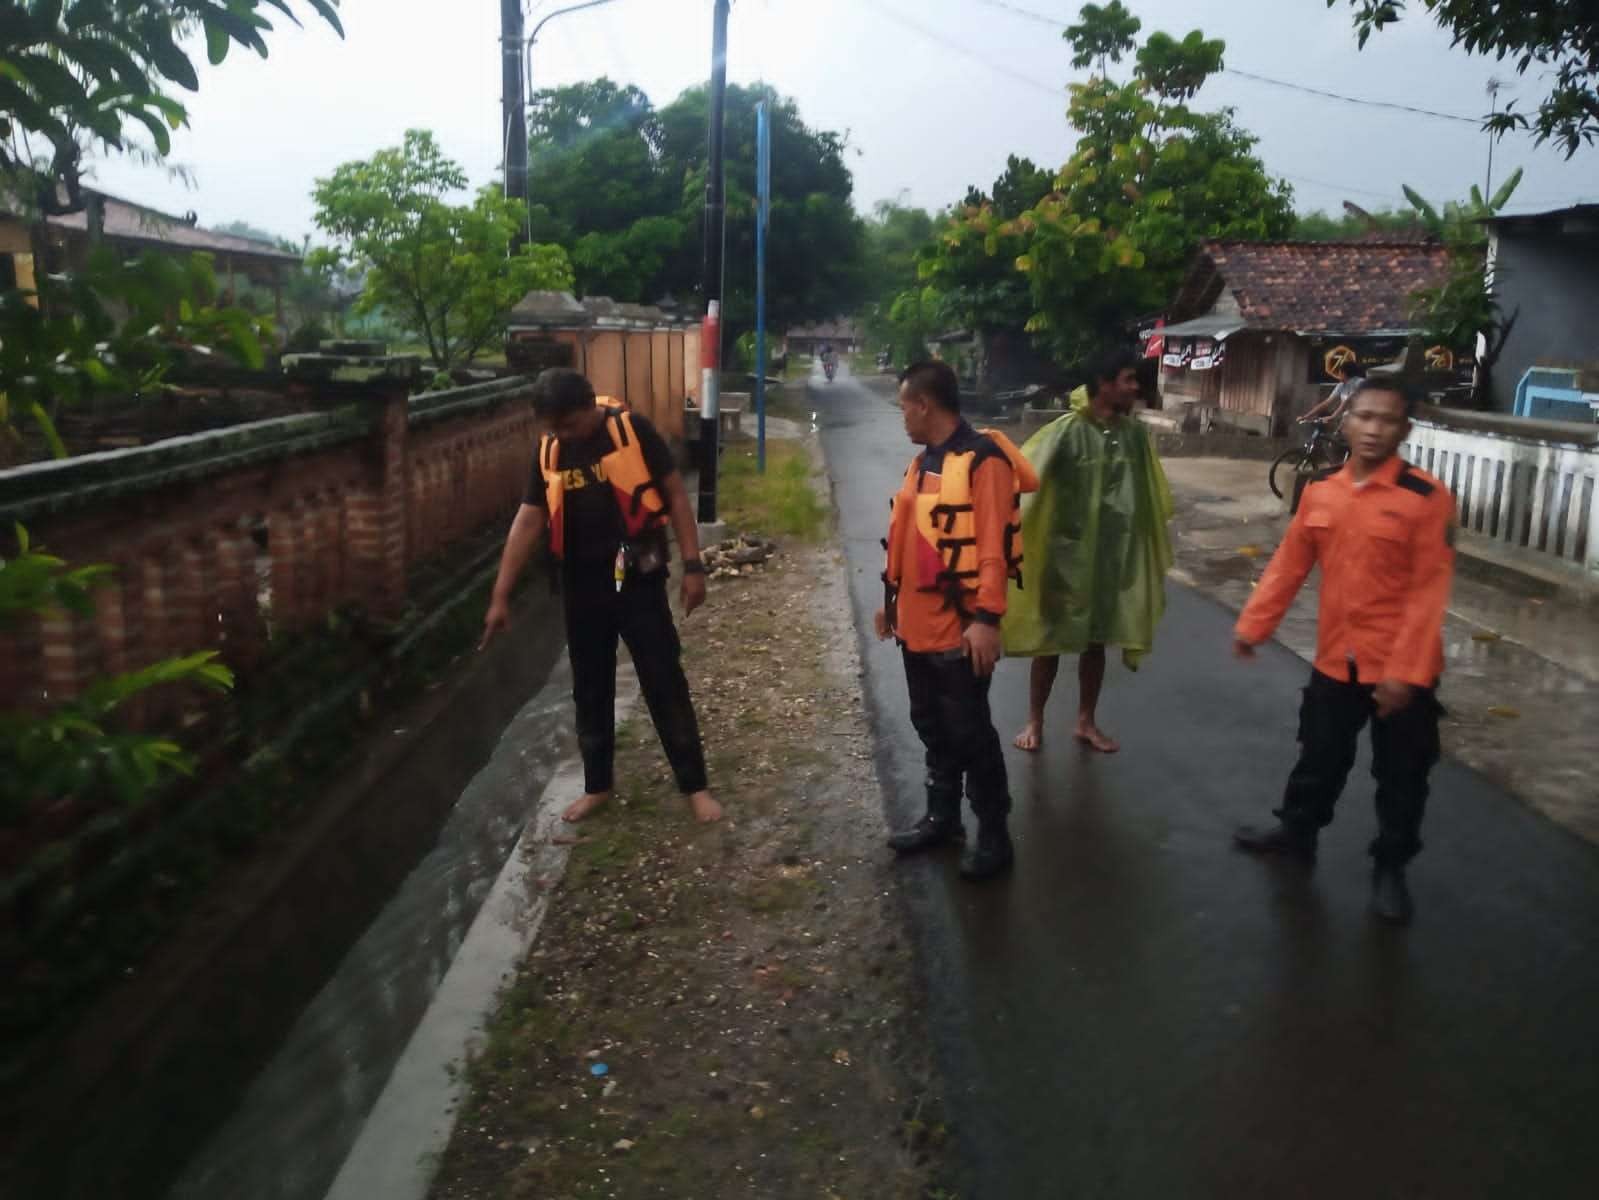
{"points": [[1140, 1011]]}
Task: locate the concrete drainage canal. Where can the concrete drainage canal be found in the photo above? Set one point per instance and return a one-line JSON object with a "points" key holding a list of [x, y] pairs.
{"points": [[258, 1075]]}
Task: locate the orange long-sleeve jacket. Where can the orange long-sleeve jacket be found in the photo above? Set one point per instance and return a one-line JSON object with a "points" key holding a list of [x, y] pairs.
{"points": [[925, 620], [1386, 552]]}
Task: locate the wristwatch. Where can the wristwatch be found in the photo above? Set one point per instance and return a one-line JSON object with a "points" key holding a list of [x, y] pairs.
{"points": [[693, 566]]}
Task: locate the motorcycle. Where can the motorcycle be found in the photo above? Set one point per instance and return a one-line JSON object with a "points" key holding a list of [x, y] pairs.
{"points": [[829, 368]]}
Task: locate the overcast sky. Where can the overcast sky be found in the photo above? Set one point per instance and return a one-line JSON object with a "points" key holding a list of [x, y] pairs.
{"points": [[933, 93]]}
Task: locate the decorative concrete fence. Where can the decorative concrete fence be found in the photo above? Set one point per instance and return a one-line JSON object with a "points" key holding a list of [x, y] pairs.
{"points": [[1532, 485], [221, 539], [634, 353]]}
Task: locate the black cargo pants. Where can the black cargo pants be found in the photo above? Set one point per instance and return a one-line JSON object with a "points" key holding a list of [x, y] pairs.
{"points": [[1404, 749], [597, 614], [949, 708]]}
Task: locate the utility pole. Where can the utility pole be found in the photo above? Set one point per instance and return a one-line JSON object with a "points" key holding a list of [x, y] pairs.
{"points": [[715, 235], [763, 216], [514, 114], [1493, 102]]}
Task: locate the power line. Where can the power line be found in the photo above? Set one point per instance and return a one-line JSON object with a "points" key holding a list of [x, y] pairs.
{"points": [[1341, 187], [1055, 23], [1026, 13], [955, 47], [1299, 87]]}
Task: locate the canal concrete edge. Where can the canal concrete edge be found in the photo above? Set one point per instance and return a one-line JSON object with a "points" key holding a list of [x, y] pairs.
{"points": [[418, 1105]]}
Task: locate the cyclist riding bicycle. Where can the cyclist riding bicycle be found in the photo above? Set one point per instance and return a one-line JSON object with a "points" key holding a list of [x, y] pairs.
{"points": [[1349, 377]]}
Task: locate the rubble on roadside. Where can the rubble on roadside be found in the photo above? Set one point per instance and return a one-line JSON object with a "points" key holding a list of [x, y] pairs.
{"points": [[745, 554]]}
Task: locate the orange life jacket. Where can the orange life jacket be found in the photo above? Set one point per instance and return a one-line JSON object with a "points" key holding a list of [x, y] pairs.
{"points": [[943, 523], [639, 495]]}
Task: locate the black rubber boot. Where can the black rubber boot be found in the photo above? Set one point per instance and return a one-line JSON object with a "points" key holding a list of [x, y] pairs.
{"points": [[991, 856], [1276, 839], [941, 825], [927, 834], [1390, 895]]}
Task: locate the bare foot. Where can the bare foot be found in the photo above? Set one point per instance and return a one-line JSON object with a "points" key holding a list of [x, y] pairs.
{"points": [[1031, 737], [705, 808], [1095, 738], [585, 806]]}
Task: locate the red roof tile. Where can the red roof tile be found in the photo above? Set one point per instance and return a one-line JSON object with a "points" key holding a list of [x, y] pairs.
{"points": [[1316, 287]]}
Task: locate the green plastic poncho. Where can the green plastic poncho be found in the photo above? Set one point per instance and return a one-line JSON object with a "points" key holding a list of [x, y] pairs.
{"points": [[1094, 540]]}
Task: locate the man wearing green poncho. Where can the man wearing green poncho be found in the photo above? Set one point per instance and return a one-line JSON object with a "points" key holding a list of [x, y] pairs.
{"points": [[1096, 544]]}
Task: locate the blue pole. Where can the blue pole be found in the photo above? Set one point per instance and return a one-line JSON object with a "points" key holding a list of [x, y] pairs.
{"points": [[763, 208]]}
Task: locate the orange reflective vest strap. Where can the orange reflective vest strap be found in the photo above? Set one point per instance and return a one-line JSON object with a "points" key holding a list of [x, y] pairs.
{"points": [[639, 495], [1024, 479], [944, 524], [554, 492]]}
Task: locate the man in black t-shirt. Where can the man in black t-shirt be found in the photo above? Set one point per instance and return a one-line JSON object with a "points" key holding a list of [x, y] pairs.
{"points": [[606, 488]]}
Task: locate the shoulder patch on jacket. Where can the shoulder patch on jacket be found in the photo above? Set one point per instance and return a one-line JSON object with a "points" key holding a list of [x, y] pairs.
{"points": [[1412, 482]]}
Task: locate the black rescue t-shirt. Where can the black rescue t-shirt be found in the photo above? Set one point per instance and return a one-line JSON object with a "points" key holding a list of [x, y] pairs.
{"points": [[593, 520]]}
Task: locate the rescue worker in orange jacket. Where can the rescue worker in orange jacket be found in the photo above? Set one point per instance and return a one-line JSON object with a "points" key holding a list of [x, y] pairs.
{"points": [[605, 486], [1382, 532], [954, 542]]}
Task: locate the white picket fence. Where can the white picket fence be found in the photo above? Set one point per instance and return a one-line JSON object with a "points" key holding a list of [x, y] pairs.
{"points": [[1537, 495]]}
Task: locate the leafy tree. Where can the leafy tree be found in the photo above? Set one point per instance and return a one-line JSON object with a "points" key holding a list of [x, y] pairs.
{"points": [[255, 233], [1102, 32], [970, 278], [1176, 70], [117, 326], [316, 290], [1022, 185], [622, 186], [1557, 39], [815, 246], [319, 290], [1463, 305], [1149, 182], [1151, 178], [893, 315], [444, 270], [1354, 223], [629, 263], [76, 70], [968, 274], [74, 73], [594, 161]]}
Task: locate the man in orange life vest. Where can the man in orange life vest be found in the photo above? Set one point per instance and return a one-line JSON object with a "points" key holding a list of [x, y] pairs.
{"points": [[1383, 533], [953, 545], [605, 486]]}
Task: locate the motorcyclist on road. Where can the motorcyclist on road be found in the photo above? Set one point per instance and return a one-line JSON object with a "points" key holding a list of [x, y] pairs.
{"points": [[829, 362]]}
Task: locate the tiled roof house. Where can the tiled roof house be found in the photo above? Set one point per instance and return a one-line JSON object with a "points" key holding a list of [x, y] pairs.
{"points": [[238, 261], [807, 339], [1256, 324]]}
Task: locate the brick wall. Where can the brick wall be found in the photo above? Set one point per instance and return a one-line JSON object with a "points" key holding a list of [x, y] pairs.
{"points": [[223, 540]]}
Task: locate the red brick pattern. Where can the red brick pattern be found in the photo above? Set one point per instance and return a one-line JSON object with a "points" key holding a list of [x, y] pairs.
{"points": [[249, 554]]}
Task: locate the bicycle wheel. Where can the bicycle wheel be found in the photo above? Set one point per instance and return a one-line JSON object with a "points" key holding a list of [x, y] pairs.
{"points": [[1285, 469]]}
